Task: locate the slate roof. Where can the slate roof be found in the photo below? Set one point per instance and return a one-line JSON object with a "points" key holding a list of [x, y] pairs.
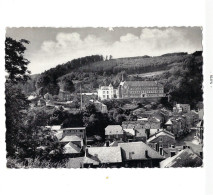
{"points": [[169, 122], [103, 155], [142, 83], [130, 131], [75, 162], [71, 138], [59, 135], [185, 158], [136, 151], [140, 133], [113, 130], [74, 128], [71, 148], [153, 131], [153, 137]]}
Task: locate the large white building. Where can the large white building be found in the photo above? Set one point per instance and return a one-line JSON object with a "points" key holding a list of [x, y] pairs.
{"points": [[106, 92]]}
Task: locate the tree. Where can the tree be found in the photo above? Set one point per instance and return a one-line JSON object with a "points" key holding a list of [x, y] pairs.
{"points": [[15, 63], [16, 105], [16, 102], [66, 84]]}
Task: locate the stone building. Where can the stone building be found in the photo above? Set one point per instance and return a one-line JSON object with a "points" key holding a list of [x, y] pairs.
{"points": [[106, 92], [140, 89]]}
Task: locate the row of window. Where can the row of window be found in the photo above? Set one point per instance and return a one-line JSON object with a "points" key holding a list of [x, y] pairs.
{"points": [[74, 131]]}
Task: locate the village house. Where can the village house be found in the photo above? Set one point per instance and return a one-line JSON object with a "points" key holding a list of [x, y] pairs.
{"points": [[100, 106], [141, 125], [64, 95], [199, 132], [140, 135], [102, 157], [41, 102], [178, 108], [73, 139], [139, 154], [155, 123], [162, 139], [114, 132], [75, 135], [133, 132], [72, 150], [173, 150], [185, 158], [78, 131], [140, 89], [48, 96], [106, 92], [177, 125]]}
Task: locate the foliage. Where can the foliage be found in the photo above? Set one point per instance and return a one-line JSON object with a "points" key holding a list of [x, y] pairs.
{"points": [[49, 79], [16, 104], [15, 63]]}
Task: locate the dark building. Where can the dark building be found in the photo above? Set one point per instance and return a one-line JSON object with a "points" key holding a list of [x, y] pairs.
{"points": [[139, 154], [140, 89]]}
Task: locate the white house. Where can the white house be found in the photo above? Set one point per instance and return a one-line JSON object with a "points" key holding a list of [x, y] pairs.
{"points": [[106, 92]]}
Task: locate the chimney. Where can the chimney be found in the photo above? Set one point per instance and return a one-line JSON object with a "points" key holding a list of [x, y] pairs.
{"points": [[146, 154], [147, 133], [107, 143], [161, 151], [172, 154], [156, 147], [130, 155], [86, 152]]}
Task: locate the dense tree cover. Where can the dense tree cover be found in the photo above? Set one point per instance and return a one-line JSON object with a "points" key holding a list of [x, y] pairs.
{"points": [[190, 79], [66, 84], [15, 63], [24, 135], [49, 79]]}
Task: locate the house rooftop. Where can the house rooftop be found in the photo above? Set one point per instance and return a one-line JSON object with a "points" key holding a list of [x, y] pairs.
{"points": [[75, 162], [71, 148], [185, 158], [142, 83], [137, 151], [113, 129], [98, 155], [71, 138], [74, 128], [160, 133], [140, 133]]}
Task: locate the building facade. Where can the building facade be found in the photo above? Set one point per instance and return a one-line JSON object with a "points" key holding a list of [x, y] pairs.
{"points": [[140, 89], [78, 131], [106, 92]]}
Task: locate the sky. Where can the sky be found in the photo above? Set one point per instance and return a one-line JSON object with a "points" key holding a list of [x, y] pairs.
{"points": [[50, 47]]}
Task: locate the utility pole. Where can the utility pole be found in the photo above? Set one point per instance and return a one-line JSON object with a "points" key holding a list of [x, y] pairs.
{"points": [[81, 98]]}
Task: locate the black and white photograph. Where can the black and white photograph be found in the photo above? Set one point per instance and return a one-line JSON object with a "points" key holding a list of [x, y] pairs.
{"points": [[105, 97]]}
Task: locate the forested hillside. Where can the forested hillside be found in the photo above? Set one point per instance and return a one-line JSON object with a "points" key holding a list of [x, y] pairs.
{"points": [[181, 73]]}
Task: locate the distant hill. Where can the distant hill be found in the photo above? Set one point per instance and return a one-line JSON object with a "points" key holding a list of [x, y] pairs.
{"points": [[92, 71]]}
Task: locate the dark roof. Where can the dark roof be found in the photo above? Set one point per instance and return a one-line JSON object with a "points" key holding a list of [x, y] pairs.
{"points": [[185, 158], [71, 138], [103, 155], [73, 128], [140, 133], [71, 148], [159, 133], [136, 151], [113, 130], [75, 162], [142, 83]]}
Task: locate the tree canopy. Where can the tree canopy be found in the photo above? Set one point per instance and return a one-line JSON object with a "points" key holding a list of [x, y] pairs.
{"points": [[15, 63]]}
